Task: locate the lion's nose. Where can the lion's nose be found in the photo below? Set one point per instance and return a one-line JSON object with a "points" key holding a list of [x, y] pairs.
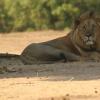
{"points": [[88, 34]]}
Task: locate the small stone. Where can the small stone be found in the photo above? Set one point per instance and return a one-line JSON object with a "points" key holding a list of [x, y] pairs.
{"points": [[96, 91]]}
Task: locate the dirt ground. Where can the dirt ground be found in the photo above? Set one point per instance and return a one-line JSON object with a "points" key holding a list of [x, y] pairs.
{"points": [[60, 81]]}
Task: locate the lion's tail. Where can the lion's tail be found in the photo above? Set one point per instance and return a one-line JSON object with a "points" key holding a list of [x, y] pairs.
{"points": [[7, 55]]}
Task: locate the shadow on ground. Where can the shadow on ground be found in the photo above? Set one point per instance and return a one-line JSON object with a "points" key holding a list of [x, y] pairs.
{"points": [[54, 72]]}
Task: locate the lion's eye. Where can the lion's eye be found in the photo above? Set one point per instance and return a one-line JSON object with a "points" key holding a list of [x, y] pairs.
{"points": [[93, 27], [84, 28]]}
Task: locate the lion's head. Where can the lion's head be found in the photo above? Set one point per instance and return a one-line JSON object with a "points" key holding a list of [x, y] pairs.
{"points": [[87, 30]]}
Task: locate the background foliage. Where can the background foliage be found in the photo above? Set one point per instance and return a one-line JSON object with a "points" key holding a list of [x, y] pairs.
{"points": [[28, 15]]}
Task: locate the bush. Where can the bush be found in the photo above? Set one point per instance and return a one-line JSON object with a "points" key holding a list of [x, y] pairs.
{"points": [[22, 15]]}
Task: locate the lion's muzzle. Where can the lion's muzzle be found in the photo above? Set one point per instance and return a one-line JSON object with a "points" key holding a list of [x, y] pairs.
{"points": [[89, 40]]}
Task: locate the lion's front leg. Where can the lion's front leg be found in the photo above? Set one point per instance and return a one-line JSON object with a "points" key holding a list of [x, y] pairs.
{"points": [[95, 56], [89, 56], [92, 56]]}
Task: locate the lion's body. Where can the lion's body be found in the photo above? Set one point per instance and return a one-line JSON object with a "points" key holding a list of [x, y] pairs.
{"points": [[50, 51], [82, 41]]}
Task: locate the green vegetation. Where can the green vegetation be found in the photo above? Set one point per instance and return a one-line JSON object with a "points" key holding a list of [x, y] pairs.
{"points": [[23, 15]]}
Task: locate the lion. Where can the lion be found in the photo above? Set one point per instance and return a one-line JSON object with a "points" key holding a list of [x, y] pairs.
{"points": [[82, 43]]}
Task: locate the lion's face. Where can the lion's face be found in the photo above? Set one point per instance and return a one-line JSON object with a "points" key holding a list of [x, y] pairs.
{"points": [[88, 31]]}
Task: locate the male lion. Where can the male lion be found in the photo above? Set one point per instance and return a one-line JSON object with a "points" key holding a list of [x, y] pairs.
{"points": [[81, 43]]}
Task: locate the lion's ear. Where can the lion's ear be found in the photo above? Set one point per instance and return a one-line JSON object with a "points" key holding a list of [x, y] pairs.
{"points": [[76, 23], [97, 17], [91, 13], [98, 20]]}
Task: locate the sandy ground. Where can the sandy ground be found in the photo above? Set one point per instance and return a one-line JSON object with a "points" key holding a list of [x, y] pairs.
{"points": [[60, 81]]}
